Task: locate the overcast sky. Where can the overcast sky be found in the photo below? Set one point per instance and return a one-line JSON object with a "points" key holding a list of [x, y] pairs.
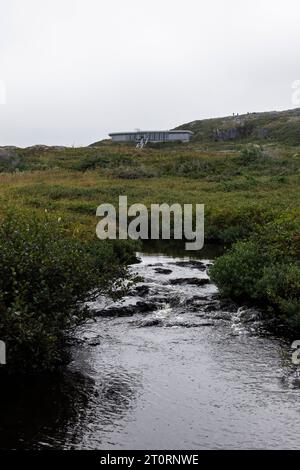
{"points": [[75, 70]]}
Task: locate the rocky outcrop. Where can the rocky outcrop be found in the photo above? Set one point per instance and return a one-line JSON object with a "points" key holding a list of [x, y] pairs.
{"points": [[239, 132], [5, 154], [193, 281], [163, 271], [9, 158]]}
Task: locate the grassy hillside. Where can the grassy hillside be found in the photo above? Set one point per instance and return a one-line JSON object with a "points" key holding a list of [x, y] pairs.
{"points": [[251, 193], [281, 127], [237, 189]]}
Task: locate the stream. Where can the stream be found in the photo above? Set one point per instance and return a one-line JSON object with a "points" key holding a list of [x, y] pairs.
{"points": [[172, 366]]}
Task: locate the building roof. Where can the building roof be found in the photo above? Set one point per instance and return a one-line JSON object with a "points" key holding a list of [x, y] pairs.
{"points": [[148, 132]]}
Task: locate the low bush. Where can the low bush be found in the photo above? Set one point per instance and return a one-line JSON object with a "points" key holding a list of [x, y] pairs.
{"points": [[251, 153], [47, 276], [265, 269]]}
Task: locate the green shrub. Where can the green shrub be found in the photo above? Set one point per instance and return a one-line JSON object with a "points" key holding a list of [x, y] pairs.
{"points": [[251, 154], [266, 270], [237, 222], [237, 272], [47, 276], [103, 161], [238, 185]]}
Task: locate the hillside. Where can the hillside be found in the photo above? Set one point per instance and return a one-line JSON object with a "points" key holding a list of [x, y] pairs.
{"points": [[282, 127], [251, 195]]}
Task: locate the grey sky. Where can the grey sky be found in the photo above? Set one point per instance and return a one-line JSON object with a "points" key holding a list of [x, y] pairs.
{"points": [[76, 69]]}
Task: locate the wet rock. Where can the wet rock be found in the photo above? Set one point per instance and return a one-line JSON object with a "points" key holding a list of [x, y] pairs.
{"points": [[197, 298], [175, 301], [143, 307], [196, 308], [72, 341], [205, 306], [228, 305], [149, 322], [215, 296], [190, 324], [205, 301], [193, 264], [94, 343], [127, 310], [211, 307], [249, 315], [226, 316], [163, 270], [142, 291], [194, 281]]}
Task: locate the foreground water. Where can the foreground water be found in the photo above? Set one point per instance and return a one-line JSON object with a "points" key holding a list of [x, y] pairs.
{"points": [[170, 367]]}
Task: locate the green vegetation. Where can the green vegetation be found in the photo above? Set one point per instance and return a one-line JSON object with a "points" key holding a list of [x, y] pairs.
{"points": [[47, 275], [251, 193], [272, 127], [241, 188], [266, 269]]}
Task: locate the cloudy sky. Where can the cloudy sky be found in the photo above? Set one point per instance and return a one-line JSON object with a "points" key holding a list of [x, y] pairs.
{"points": [[74, 70]]}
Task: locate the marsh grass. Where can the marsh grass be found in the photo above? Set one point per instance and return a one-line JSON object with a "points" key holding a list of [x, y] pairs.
{"points": [[244, 188]]}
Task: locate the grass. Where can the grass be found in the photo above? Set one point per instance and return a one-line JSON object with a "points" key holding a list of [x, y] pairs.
{"points": [[236, 193], [245, 189], [277, 127]]}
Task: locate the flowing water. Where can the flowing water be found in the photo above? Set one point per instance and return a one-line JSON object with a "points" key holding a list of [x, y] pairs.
{"points": [[172, 366]]}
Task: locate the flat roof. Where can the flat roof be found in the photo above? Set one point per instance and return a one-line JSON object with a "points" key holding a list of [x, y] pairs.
{"points": [[151, 132]]}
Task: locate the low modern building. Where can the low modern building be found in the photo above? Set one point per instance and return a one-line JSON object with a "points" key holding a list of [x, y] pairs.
{"points": [[152, 136]]}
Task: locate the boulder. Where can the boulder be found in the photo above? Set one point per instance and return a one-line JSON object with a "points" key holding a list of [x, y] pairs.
{"points": [[163, 270], [194, 281]]}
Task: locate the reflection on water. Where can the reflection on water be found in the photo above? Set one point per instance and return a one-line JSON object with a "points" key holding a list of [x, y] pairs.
{"points": [[173, 366], [112, 400], [37, 412], [58, 410]]}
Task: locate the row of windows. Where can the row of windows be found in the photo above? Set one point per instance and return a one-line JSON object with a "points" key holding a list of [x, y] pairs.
{"points": [[152, 136]]}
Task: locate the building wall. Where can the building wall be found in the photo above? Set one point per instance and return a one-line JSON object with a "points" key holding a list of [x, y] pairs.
{"points": [[123, 137], [152, 136], [183, 136]]}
